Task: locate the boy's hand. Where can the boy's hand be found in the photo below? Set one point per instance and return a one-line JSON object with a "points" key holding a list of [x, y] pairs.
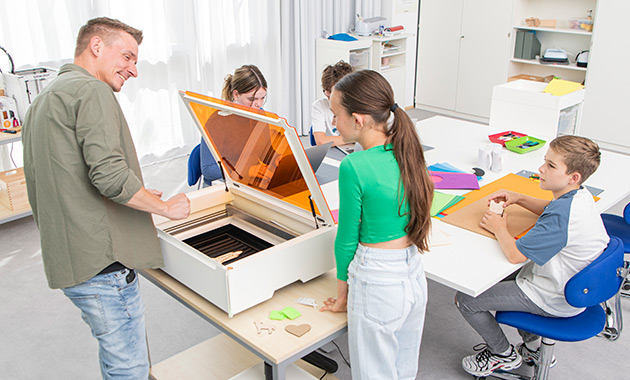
{"points": [[508, 197], [493, 222]]}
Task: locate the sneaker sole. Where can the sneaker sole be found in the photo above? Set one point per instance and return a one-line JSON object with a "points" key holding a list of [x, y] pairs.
{"points": [[489, 372], [531, 362]]}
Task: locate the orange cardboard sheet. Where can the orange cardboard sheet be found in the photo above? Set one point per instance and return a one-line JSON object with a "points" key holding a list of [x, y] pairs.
{"points": [[511, 182], [519, 219], [519, 222]]}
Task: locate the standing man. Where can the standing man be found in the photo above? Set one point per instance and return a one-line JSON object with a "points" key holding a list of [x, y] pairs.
{"points": [[86, 191]]}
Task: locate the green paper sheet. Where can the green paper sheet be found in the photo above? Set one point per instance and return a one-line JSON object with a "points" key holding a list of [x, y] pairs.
{"points": [[443, 201]]}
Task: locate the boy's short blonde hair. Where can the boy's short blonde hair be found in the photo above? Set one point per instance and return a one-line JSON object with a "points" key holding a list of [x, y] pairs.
{"points": [[579, 154]]}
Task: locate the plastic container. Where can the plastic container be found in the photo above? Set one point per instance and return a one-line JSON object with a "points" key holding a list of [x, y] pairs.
{"points": [[503, 137], [581, 23], [359, 58], [524, 144]]}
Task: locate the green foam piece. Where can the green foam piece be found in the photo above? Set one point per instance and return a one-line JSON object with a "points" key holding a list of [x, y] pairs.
{"points": [[277, 315], [291, 313]]}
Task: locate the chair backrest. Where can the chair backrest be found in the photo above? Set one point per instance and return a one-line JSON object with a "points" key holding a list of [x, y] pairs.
{"points": [[194, 165], [626, 213], [598, 282], [312, 137]]}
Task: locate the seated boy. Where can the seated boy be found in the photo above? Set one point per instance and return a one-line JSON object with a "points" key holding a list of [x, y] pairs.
{"points": [[323, 129], [568, 235]]}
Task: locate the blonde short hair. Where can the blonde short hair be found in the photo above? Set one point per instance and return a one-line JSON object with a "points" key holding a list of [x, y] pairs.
{"points": [[579, 154]]}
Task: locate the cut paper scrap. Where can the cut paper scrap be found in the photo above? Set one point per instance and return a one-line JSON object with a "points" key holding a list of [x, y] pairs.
{"points": [[450, 180], [519, 219], [559, 87], [443, 201], [290, 312], [511, 182], [335, 215], [437, 237]]}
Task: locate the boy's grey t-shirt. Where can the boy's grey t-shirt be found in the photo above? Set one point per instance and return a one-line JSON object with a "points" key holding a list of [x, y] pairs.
{"points": [[568, 236]]}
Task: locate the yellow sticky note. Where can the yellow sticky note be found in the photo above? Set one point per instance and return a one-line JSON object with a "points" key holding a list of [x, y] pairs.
{"points": [[559, 87]]}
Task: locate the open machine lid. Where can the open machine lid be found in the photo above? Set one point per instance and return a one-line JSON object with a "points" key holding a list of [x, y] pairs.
{"points": [[259, 150]]}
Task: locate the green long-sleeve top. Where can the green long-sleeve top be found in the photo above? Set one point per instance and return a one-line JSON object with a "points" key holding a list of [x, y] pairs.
{"points": [[81, 167], [369, 199]]}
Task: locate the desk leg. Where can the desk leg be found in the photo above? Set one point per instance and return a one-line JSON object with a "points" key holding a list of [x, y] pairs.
{"points": [[277, 372]]}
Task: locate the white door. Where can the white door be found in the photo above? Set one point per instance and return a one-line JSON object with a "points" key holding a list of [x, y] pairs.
{"points": [[604, 114], [484, 53], [438, 52]]}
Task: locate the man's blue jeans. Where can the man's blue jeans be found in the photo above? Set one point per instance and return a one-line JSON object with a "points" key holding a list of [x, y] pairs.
{"points": [[115, 313]]}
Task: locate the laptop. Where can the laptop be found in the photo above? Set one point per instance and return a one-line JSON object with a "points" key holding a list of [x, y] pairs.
{"points": [[316, 154], [288, 171]]}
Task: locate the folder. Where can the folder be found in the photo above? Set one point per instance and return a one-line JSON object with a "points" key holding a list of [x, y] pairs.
{"points": [[518, 46], [531, 46]]}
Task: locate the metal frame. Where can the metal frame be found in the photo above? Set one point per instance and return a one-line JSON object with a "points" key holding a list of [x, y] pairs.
{"points": [[278, 370]]}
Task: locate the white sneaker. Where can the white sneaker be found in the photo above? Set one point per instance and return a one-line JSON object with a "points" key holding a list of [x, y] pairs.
{"points": [[531, 357], [485, 362]]}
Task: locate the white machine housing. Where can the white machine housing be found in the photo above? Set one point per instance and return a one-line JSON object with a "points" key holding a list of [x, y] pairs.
{"points": [[298, 226]]}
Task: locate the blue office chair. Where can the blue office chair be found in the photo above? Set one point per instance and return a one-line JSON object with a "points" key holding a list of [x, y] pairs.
{"points": [[194, 166], [310, 133], [597, 283], [620, 227]]}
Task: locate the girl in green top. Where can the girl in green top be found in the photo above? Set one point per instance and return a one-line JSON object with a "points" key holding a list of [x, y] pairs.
{"points": [[385, 195]]}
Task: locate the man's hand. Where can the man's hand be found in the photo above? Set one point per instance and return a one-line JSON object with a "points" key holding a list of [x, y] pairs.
{"points": [[157, 193], [178, 207]]}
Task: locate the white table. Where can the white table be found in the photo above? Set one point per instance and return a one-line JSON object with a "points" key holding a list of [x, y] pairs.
{"points": [[472, 263]]}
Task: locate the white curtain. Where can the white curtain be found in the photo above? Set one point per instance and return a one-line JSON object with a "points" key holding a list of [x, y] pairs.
{"points": [[302, 22], [188, 45]]}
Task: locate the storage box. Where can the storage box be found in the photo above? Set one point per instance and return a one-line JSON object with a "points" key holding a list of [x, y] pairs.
{"points": [[534, 78], [359, 59], [524, 144], [270, 216], [581, 23], [521, 105], [13, 190], [503, 137]]}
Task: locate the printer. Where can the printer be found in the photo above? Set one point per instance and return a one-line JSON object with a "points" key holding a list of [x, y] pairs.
{"points": [[365, 27]]}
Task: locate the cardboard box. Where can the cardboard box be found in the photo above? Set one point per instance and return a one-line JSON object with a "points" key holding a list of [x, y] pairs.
{"points": [[548, 23], [534, 78], [13, 190]]}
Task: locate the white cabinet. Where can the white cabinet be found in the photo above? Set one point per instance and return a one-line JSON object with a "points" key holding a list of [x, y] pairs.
{"points": [[463, 49], [606, 99], [387, 55]]}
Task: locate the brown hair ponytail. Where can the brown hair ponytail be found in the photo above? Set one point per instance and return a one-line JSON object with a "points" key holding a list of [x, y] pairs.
{"points": [[245, 79], [366, 92]]}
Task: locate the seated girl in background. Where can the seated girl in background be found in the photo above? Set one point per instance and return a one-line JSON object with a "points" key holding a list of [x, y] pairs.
{"points": [[247, 87], [385, 196]]}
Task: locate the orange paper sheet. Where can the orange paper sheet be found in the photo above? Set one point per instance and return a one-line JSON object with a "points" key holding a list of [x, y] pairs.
{"points": [[511, 182]]}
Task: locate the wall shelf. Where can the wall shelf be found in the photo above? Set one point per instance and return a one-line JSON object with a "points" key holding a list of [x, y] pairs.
{"points": [[570, 66], [555, 30]]}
